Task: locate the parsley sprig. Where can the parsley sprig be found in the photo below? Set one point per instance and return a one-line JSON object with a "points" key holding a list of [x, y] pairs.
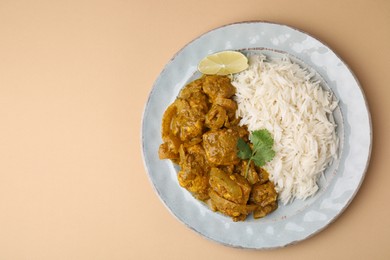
{"points": [[262, 151]]}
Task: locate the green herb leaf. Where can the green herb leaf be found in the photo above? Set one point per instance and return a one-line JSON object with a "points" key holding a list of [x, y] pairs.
{"points": [[262, 148], [261, 139], [262, 144], [244, 151], [262, 156]]}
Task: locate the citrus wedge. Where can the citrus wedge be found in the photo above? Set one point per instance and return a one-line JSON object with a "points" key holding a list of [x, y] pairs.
{"points": [[223, 63]]}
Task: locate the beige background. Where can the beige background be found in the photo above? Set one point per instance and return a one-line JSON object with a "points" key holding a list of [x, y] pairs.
{"points": [[74, 78]]}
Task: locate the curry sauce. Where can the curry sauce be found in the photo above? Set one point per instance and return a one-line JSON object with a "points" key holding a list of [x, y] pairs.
{"points": [[200, 131]]}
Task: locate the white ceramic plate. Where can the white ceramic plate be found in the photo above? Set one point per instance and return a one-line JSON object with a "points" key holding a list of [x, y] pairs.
{"points": [[300, 219]]}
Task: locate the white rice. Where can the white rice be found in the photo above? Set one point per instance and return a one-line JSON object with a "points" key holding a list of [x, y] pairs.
{"points": [[280, 96]]}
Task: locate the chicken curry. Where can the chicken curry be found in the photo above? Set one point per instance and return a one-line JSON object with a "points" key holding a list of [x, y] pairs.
{"points": [[200, 131]]}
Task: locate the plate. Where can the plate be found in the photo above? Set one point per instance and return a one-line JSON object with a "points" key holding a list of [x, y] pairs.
{"points": [[300, 219]]}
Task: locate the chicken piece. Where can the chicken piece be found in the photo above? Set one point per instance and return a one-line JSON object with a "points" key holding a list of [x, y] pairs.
{"points": [[166, 151], [216, 117], [188, 123], [263, 175], [185, 117], [232, 187], [181, 123], [194, 95], [265, 196], [169, 149], [261, 212], [168, 116], [229, 104], [241, 130], [194, 173], [221, 146], [229, 194], [218, 86], [237, 211]]}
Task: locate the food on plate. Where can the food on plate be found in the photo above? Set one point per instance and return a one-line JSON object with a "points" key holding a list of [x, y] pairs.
{"points": [[282, 97], [248, 137], [200, 132]]}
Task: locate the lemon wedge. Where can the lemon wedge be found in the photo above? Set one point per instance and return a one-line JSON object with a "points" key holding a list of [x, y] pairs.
{"points": [[223, 63]]}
